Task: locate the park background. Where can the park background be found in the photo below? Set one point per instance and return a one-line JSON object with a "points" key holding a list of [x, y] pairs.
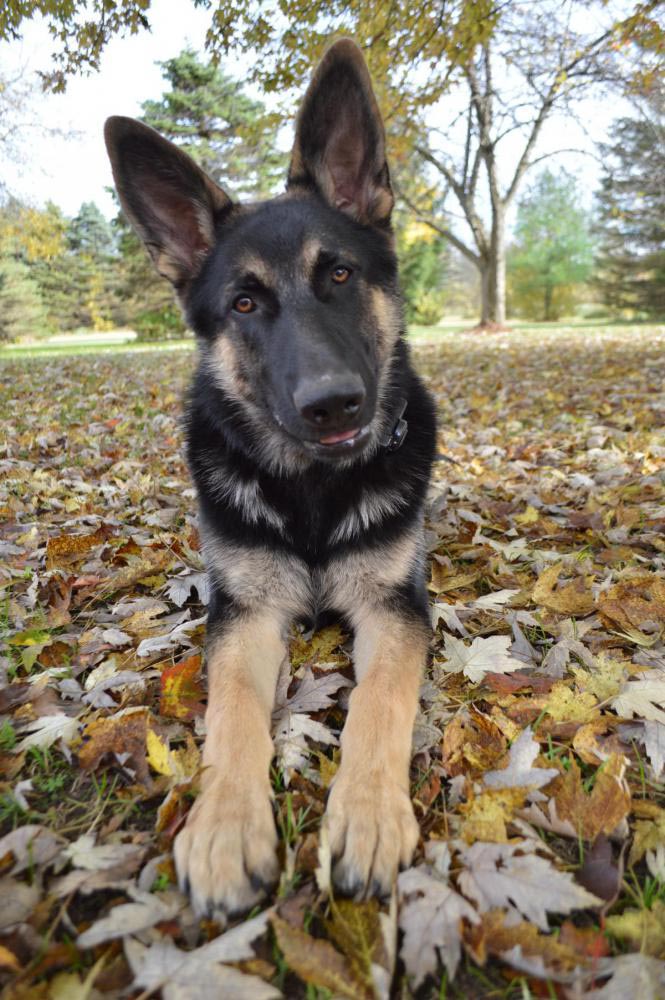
{"points": [[527, 147]]}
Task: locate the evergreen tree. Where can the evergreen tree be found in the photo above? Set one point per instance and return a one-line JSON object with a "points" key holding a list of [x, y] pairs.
{"points": [[230, 135], [631, 212], [553, 251], [22, 311]]}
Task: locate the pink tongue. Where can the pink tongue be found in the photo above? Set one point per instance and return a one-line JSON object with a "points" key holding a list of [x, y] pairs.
{"points": [[338, 438]]}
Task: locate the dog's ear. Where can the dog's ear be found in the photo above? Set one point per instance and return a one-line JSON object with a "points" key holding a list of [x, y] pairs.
{"points": [[340, 146], [168, 199]]}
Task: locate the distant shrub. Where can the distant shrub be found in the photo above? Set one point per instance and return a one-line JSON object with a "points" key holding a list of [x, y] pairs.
{"points": [[160, 324]]}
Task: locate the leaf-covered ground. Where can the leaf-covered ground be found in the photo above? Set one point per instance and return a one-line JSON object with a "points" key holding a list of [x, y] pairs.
{"points": [[539, 754]]}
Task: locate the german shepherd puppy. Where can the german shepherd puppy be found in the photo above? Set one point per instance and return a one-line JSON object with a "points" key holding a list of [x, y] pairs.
{"points": [[310, 491]]}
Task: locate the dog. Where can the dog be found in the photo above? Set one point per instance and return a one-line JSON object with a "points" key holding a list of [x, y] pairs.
{"points": [[310, 440]]}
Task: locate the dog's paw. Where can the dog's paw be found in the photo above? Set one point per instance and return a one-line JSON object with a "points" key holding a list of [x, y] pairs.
{"points": [[225, 856], [372, 831]]}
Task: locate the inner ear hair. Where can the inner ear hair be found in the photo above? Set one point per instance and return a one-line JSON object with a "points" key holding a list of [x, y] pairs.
{"points": [[339, 147], [170, 202]]}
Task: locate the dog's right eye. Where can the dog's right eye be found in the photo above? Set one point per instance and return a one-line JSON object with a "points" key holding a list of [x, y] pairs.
{"points": [[243, 304]]}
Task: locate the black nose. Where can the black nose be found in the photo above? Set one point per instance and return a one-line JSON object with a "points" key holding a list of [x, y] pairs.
{"points": [[330, 402]]}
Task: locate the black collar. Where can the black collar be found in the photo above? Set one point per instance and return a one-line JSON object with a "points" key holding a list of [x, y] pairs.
{"points": [[395, 439]]}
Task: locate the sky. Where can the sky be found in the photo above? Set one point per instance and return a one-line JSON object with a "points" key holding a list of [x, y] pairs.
{"points": [[74, 168]]}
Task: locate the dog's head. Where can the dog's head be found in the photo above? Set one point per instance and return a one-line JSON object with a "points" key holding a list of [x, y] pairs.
{"points": [[294, 300]]}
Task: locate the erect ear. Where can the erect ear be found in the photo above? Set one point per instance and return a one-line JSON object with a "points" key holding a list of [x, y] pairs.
{"points": [[340, 145], [168, 199]]}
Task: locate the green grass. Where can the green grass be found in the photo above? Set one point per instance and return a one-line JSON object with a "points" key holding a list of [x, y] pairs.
{"points": [[95, 343]]}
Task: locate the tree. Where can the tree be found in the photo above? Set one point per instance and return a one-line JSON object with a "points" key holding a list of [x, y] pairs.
{"points": [[553, 250], [423, 257], [631, 210], [502, 69], [22, 311], [230, 135]]}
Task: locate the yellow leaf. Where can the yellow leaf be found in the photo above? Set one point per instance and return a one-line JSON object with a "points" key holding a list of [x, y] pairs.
{"points": [[487, 814], [566, 705], [574, 598], [644, 929]]}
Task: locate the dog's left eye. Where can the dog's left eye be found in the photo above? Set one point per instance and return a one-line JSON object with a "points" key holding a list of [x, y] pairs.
{"points": [[243, 304], [340, 274]]}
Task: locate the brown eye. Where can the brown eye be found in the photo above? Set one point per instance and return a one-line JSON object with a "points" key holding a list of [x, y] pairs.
{"points": [[243, 304], [340, 275]]}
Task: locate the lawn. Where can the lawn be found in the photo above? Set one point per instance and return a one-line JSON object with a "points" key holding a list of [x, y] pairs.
{"points": [[538, 774]]}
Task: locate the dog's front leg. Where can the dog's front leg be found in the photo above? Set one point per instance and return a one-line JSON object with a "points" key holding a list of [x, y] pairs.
{"points": [[370, 820], [225, 856]]}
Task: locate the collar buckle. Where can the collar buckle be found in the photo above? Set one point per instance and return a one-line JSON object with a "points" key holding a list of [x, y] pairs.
{"points": [[396, 437]]}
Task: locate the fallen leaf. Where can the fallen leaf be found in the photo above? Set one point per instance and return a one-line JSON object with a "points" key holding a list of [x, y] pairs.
{"points": [[30, 846], [574, 598], [146, 910], [512, 877], [638, 976], [181, 691], [318, 962], [43, 732], [430, 917], [604, 808], [124, 733], [486, 815], [481, 656], [84, 853], [644, 929], [643, 698], [519, 772]]}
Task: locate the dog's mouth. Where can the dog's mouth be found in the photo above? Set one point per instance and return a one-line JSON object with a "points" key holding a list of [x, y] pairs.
{"points": [[334, 445], [344, 437]]}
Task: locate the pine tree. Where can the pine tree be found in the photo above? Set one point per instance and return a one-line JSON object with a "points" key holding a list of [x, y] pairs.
{"points": [[230, 135], [631, 211]]}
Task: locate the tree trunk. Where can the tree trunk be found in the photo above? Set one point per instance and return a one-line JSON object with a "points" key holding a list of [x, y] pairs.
{"points": [[498, 269], [548, 303], [493, 277]]}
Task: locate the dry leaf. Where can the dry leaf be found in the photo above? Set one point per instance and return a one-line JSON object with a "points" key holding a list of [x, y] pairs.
{"points": [[430, 917], [572, 599], [499, 876], [481, 657]]}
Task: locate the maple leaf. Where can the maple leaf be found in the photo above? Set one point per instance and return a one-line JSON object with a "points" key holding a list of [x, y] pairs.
{"points": [[318, 962], [178, 636], [638, 976], [604, 809], [430, 918], [512, 877], [572, 599], [643, 698], [654, 744], [179, 588], [292, 727], [181, 691], [43, 732], [519, 773], [481, 657], [146, 910], [84, 853]]}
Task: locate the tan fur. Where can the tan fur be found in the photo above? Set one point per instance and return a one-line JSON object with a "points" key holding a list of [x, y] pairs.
{"points": [[260, 578], [309, 256], [258, 267], [361, 579], [387, 322], [370, 820], [230, 834]]}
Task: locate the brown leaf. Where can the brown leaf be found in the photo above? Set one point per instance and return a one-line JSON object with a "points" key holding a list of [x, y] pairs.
{"points": [[181, 690], [602, 810], [571, 599], [492, 937], [66, 549], [123, 733], [472, 742], [318, 962], [633, 602]]}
